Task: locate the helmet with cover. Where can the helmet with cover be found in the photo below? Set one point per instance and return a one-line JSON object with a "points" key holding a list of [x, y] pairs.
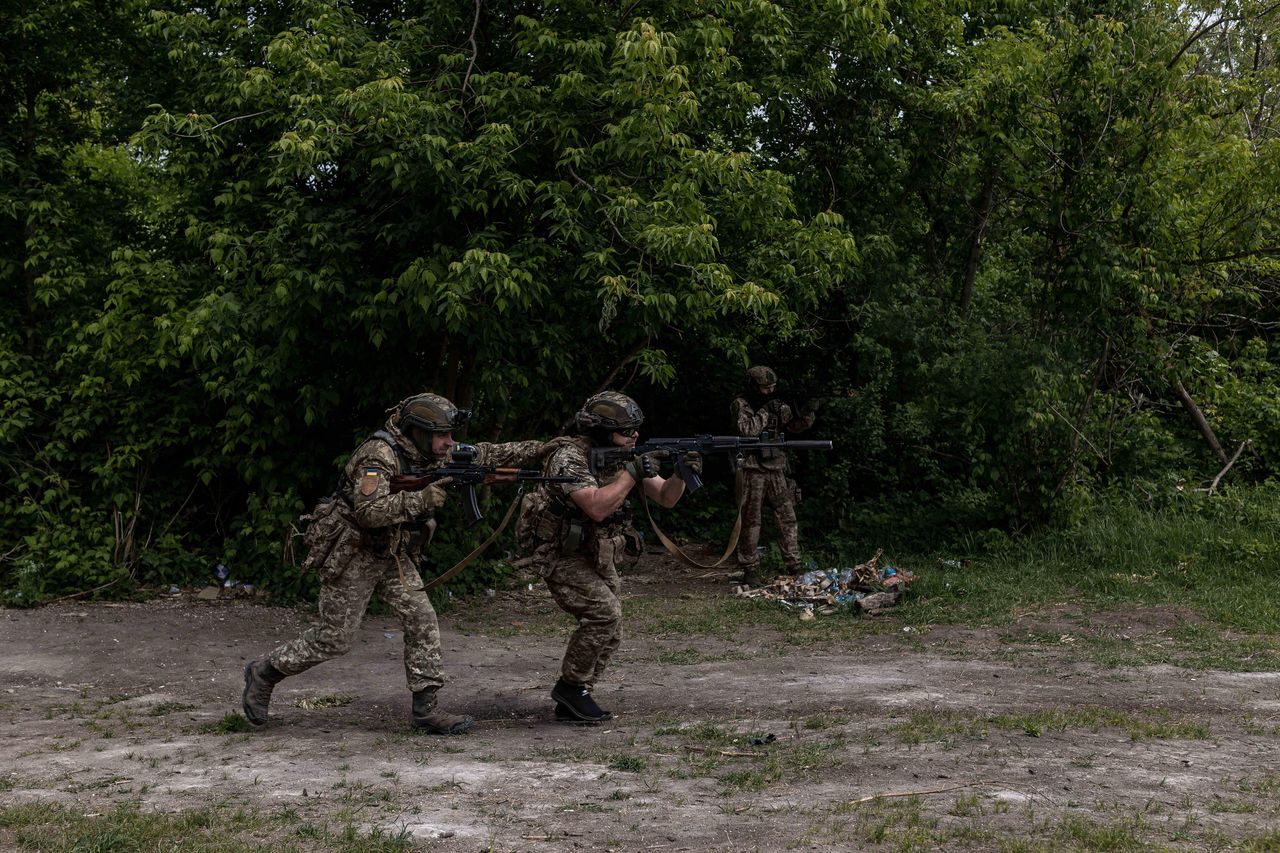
{"points": [[607, 412], [429, 413], [761, 376]]}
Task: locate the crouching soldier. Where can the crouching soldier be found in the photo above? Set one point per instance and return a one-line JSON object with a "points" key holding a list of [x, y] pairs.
{"points": [[364, 539], [577, 534]]}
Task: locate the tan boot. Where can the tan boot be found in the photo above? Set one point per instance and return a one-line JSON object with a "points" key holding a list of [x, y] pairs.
{"points": [[428, 717]]}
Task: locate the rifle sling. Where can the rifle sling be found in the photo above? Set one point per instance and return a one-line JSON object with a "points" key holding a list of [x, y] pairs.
{"points": [[674, 550], [479, 549]]}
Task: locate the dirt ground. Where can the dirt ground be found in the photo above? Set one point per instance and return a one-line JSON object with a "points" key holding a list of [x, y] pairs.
{"points": [[898, 736]]}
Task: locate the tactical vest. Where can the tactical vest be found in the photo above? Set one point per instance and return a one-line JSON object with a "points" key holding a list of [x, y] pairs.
{"points": [[553, 517]]}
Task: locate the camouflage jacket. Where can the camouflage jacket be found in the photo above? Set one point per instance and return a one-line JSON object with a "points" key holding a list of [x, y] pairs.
{"points": [[774, 417], [383, 516]]}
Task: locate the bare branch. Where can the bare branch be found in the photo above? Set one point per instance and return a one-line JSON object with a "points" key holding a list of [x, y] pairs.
{"points": [[1234, 457]]}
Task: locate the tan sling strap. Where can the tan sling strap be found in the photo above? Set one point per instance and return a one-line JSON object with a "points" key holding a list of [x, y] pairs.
{"points": [[479, 549], [674, 549]]}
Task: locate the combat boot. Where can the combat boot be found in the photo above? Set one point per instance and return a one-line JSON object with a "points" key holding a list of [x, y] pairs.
{"points": [[260, 678], [429, 718], [751, 576], [574, 704]]}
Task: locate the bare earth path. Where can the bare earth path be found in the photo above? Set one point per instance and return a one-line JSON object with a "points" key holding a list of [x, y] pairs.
{"points": [[1006, 747]]}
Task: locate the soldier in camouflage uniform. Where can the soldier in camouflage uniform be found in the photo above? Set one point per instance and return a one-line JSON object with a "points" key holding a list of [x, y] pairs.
{"points": [[364, 539], [762, 475], [578, 533]]}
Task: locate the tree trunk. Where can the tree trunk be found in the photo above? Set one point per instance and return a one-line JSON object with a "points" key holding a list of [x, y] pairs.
{"points": [[981, 217], [1201, 423]]}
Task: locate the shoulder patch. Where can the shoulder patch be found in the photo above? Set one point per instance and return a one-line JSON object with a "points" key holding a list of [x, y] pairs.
{"points": [[369, 482]]}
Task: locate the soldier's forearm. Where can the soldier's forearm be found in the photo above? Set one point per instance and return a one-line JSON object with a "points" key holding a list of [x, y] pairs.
{"points": [[665, 493], [603, 501]]}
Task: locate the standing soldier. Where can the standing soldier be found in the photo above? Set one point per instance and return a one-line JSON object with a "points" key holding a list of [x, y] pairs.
{"points": [[578, 534], [365, 540], [762, 475]]}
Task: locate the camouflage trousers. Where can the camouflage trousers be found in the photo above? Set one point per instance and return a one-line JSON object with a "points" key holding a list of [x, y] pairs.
{"points": [[588, 587], [346, 586], [760, 486]]}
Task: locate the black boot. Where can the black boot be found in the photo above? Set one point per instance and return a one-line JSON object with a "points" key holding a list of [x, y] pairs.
{"points": [[260, 678], [574, 702], [428, 717], [564, 715]]}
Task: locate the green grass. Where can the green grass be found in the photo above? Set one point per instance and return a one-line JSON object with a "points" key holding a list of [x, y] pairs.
{"points": [[1155, 723], [628, 763], [949, 727], [230, 724], [1201, 571], [217, 828]]}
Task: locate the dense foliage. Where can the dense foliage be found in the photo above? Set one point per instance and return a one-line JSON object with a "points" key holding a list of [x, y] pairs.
{"points": [[1022, 251]]}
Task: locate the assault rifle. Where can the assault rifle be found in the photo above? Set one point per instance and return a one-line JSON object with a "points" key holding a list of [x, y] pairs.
{"points": [[678, 448], [466, 475]]}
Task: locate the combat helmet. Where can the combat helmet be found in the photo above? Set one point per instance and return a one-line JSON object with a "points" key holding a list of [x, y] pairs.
{"points": [[761, 376], [608, 411], [432, 413]]}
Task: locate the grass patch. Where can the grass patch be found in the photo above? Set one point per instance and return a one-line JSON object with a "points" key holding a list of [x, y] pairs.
{"points": [[628, 763], [229, 724], [1205, 564], [169, 708], [222, 827], [1154, 724], [950, 726], [945, 726]]}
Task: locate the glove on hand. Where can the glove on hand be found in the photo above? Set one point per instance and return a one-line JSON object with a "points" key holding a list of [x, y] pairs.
{"points": [[433, 495], [779, 409], [643, 467], [693, 461], [809, 408]]}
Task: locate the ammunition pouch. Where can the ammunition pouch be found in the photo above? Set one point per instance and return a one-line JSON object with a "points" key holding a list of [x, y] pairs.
{"points": [[571, 541], [542, 519], [634, 542], [324, 529], [376, 540]]}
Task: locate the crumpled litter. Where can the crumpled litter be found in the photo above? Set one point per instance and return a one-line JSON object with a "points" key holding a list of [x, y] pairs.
{"points": [[868, 586]]}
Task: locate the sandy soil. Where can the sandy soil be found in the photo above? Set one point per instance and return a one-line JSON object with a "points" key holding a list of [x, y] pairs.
{"points": [[107, 703]]}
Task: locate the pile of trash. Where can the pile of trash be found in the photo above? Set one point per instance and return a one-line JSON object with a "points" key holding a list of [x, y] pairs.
{"points": [[222, 585], [869, 587]]}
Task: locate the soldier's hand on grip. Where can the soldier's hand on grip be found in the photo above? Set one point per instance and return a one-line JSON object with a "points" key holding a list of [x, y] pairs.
{"points": [[433, 495], [643, 467], [693, 461]]}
